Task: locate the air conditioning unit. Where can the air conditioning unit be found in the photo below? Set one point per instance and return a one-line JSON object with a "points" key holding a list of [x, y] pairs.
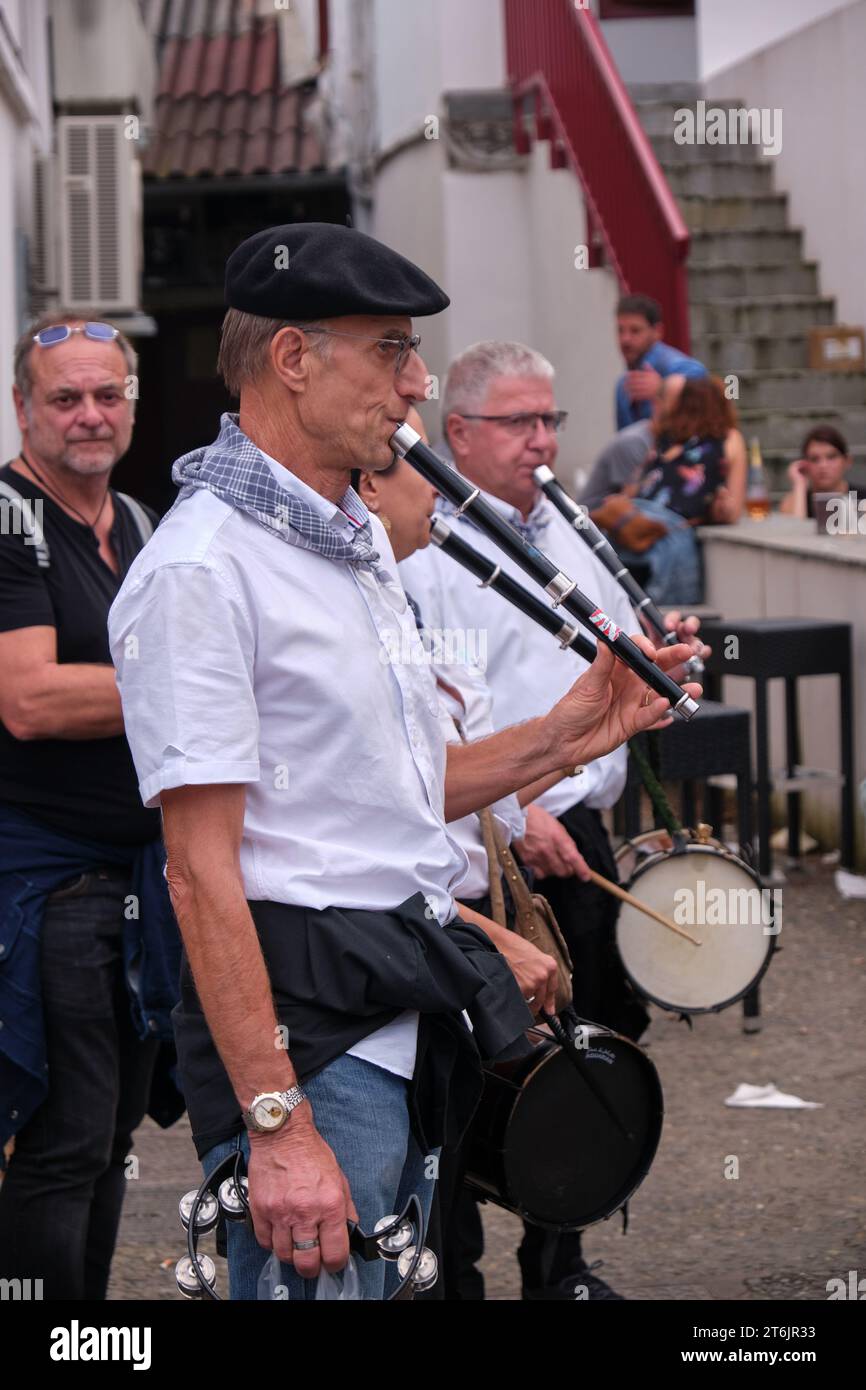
{"points": [[44, 275], [100, 214]]}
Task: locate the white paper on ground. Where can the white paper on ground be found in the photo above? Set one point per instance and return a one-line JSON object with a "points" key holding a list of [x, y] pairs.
{"points": [[769, 1097], [850, 885]]}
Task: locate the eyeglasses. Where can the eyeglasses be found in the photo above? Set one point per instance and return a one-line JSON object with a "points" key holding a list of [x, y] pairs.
{"points": [[59, 332], [403, 345], [524, 423]]}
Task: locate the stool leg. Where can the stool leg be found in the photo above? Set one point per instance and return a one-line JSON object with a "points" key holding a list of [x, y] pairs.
{"points": [[846, 735], [792, 744], [687, 804], [714, 813], [752, 1010], [762, 760], [744, 799], [632, 809]]}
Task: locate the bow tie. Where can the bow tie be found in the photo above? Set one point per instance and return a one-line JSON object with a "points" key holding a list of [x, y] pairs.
{"points": [[533, 528]]}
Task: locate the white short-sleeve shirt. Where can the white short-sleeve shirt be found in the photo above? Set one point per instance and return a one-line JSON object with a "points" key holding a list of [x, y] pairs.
{"points": [[241, 658]]}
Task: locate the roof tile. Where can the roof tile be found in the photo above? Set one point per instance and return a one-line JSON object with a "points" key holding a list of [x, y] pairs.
{"points": [[221, 108]]}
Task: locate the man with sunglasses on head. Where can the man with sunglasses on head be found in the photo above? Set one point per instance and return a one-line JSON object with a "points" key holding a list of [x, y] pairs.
{"points": [[89, 951]]}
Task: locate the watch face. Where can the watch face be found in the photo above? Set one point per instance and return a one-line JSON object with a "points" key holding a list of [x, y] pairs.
{"points": [[268, 1112]]}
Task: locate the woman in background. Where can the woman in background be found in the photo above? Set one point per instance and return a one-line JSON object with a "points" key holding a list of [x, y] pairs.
{"points": [[822, 467], [695, 476]]}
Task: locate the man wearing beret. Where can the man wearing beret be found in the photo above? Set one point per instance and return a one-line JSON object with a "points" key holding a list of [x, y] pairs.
{"points": [[302, 775]]}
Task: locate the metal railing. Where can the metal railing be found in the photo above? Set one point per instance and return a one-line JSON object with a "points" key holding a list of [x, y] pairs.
{"points": [[567, 87]]}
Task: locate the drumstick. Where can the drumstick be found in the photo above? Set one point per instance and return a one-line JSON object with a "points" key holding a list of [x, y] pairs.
{"points": [[618, 892]]}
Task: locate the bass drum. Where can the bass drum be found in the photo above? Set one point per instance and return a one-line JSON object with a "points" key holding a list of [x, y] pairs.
{"points": [[712, 894], [561, 1149]]}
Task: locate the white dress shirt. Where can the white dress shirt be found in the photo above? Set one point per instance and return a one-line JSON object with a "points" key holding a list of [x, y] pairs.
{"points": [[525, 668], [473, 712], [243, 659]]}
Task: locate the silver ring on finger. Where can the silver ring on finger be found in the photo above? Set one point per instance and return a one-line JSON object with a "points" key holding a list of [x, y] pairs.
{"points": [[306, 1244], [531, 999]]}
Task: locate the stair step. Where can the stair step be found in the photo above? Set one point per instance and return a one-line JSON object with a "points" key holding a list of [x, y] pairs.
{"points": [[793, 389], [759, 247], [761, 315], [739, 352], [669, 152], [783, 430], [763, 212], [719, 179], [658, 115], [734, 281], [651, 92]]}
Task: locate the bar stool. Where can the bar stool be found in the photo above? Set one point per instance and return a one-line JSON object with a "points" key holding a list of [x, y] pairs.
{"points": [[789, 648]]}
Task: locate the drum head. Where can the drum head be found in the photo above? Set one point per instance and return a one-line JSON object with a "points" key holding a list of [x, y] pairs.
{"points": [[718, 899], [572, 1159]]}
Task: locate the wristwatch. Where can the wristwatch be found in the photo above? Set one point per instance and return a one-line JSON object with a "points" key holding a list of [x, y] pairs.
{"points": [[270, 1110]]}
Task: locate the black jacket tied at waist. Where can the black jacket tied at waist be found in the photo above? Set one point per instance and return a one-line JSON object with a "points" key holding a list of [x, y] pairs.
{"points": [[339, 974]]}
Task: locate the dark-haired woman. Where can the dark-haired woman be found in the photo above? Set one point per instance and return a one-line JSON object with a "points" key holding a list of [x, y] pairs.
{"points": [[822, 467]]}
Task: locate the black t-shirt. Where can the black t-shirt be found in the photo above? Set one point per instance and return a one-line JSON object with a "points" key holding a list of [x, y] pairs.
{"points": [[86, 788]]}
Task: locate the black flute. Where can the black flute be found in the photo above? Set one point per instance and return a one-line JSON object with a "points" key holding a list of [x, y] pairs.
{"points": [[564, 592], [491, 577], [598, 543]]}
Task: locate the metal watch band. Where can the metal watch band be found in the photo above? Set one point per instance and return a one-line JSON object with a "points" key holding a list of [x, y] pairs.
{"points": [[290, 1099]]}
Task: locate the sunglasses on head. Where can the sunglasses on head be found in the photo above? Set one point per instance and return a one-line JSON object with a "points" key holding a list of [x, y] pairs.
{"points": [[59, 332]]}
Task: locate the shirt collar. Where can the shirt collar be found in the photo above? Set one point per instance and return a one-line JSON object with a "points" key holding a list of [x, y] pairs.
{"points": [[341, 516]]}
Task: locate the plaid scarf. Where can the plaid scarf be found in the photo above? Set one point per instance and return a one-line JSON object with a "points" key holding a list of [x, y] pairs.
{"points": [[234, 469]]}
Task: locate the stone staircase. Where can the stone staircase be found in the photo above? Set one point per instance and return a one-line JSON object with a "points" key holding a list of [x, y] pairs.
{"points": [[753, 295]]}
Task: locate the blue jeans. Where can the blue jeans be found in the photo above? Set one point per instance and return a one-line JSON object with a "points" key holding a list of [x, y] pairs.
{"points": [[674, 562], [362, 1112]]}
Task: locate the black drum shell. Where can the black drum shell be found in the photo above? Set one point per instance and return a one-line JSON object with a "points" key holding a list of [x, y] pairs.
{"points": [[535, 1115]]}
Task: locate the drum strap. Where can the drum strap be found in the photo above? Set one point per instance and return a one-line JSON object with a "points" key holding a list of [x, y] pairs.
{"points": [[655, 791], [534, 919]]}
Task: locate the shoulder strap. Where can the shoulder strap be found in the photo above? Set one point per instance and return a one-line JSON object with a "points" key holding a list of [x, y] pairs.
{"points": [[143, 523], [26, 522]]}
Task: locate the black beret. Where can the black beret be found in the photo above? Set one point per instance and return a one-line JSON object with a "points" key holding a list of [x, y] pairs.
{"points": [[317, 270]]}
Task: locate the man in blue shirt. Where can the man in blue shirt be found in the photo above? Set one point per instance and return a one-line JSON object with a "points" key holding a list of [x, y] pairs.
{"points": [[648, 359]]}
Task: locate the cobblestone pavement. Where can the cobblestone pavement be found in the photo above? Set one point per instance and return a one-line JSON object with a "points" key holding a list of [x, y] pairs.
{"points": [[795, 1217]]}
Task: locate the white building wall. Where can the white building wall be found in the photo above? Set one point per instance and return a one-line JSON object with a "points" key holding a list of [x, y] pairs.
{"points": [[815, 76], [25, 124], [573, 321], [502, 244], [732, 30], [8, 280]]}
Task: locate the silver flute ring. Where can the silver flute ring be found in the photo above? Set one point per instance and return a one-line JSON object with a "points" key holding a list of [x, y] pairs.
{"points": [[305, 1244]]}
